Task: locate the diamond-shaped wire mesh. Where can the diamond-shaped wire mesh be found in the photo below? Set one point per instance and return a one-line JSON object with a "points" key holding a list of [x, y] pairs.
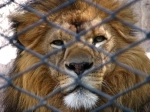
{"points": [[110, 101]]}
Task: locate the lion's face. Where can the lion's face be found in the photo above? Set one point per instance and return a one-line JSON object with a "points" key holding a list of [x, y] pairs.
{"points": [[78, 61]]}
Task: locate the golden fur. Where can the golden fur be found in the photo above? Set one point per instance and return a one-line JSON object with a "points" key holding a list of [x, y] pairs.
{"points": [[110, 79]]}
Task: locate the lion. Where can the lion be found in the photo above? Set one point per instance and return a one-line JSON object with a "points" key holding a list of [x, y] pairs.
{"points": [[73, 60]]}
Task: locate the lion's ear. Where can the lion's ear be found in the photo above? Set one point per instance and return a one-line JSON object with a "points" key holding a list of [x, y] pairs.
{"points": [[127, 37], [124, 31], [14, 26], [21, 24], [18, 26]]}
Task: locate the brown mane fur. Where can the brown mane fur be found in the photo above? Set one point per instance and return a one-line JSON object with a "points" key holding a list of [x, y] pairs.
{"points": [[39, 81]]}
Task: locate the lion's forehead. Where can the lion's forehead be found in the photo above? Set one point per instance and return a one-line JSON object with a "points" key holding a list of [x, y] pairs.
{"points": [[70, 31], [80, 25]]}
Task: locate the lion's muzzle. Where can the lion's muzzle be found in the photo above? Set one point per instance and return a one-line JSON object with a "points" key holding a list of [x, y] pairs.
{"points": [[79, 68]]}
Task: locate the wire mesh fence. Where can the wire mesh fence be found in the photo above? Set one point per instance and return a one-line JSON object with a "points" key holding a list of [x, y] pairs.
{"points": [[110, 100]]}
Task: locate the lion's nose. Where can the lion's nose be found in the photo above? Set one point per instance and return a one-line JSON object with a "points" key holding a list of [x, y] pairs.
{"points": [[79, 68]]}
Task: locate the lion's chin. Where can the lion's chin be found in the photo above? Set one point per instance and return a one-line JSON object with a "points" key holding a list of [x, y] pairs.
{"points": [[81, 98]]}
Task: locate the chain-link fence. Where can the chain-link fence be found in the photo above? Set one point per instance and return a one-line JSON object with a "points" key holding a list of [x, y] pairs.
{"points": [[88, 94]]}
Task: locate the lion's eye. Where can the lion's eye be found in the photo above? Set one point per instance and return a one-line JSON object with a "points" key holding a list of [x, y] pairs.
{"points": [[98, 40], [57, 43]]}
